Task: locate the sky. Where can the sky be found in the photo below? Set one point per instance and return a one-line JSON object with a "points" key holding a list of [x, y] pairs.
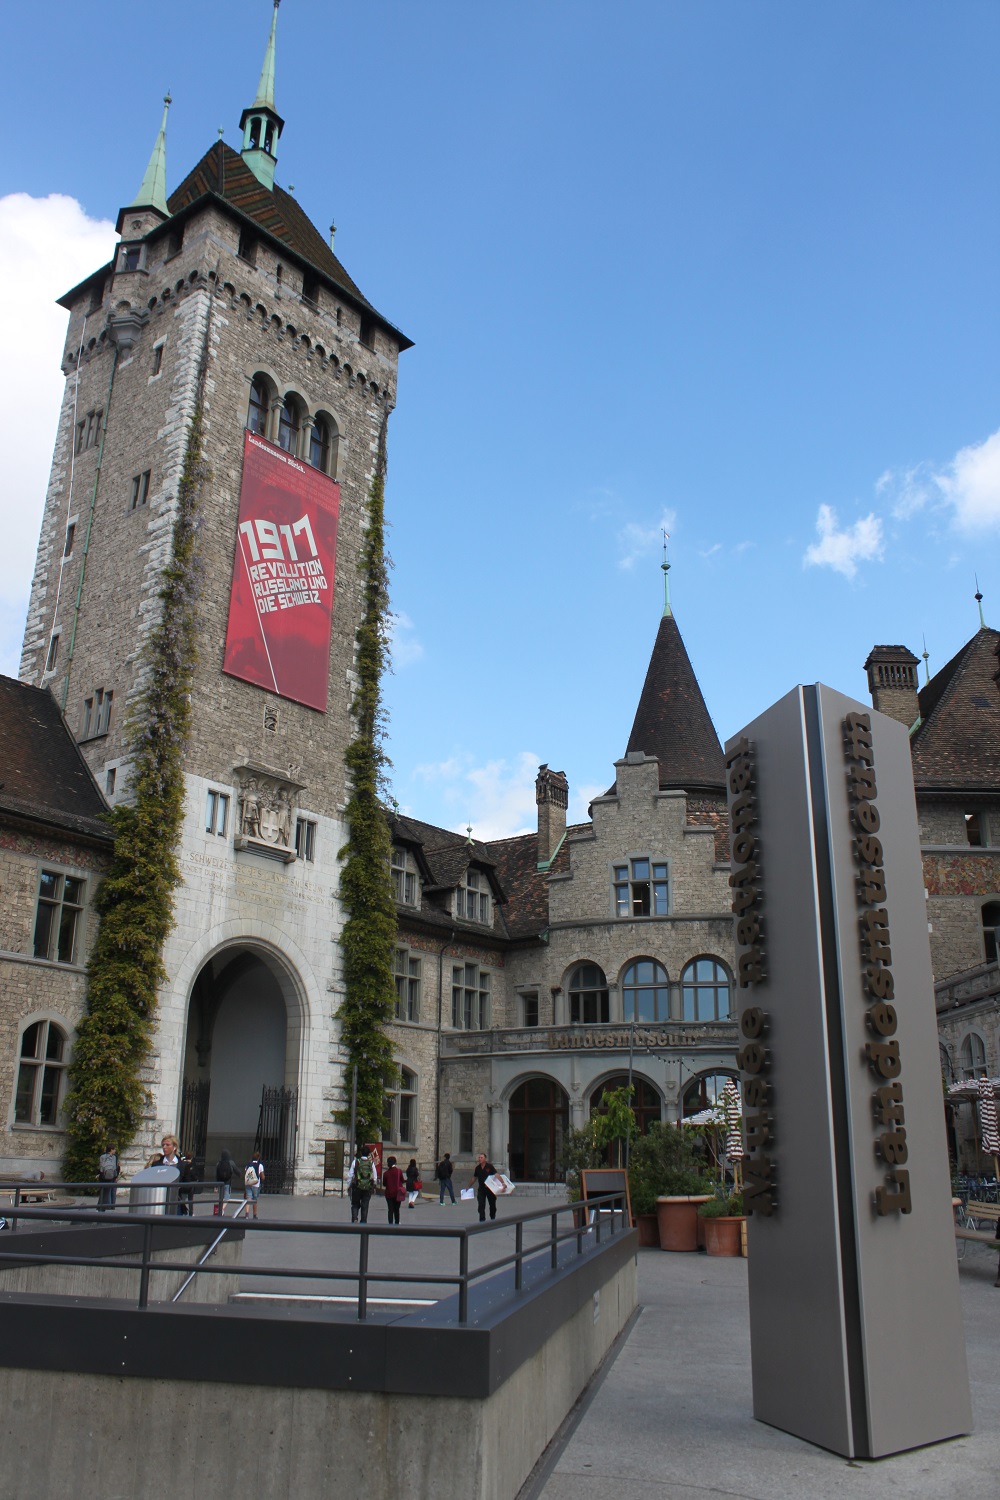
{"points": [[723, 268]]}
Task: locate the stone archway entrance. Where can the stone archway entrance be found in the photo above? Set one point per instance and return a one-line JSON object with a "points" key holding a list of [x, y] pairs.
{"points": [[539, 1120], [241, 1063]]}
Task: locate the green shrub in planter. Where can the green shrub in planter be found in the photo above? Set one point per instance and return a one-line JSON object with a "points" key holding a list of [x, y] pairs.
{"points": [[729, 1206], [663, 1163]]}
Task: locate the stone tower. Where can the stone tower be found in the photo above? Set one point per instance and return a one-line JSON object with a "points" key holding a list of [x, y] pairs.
{"points": [[225, 294]]}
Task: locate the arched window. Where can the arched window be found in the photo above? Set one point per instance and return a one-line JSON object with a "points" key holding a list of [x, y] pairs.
{"points": [[259, 403], [703, 1092], [645, 991], [319, 445], [289, 423], [991, 931], [973, 1056], [588, 995], [41, 1075], [401, 1110], [646, 1103], [705, 991], [539, 1120]]}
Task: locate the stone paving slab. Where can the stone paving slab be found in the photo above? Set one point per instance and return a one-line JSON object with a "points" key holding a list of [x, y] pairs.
{"points": [[672, 1418]]}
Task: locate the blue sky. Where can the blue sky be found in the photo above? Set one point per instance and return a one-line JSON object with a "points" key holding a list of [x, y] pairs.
{"points": [[725, 267]]}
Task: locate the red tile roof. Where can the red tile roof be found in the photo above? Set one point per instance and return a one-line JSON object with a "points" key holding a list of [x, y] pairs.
{"points": [[957, 746]]}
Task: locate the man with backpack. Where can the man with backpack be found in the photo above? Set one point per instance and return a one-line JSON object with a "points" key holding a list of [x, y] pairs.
{"points": [[361, 1182], [253, 1177], [443, 1172]]}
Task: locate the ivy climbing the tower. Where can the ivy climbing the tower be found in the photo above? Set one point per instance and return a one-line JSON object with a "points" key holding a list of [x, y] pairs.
{"points": [[369, 934], [107, 1095]]}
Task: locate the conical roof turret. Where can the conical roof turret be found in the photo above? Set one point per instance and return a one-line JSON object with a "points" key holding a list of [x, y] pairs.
{"points": [[672, 721]]}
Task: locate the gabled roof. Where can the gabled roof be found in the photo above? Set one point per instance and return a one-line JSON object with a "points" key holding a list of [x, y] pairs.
{"points": [[527, 911], [957, 745], [222, 173], [672, 721], [445, 855], [43, 775]]}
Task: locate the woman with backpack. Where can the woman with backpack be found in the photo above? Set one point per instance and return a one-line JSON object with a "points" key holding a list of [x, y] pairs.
{"points": [[109, 1172], [413, 1183], [395, 1189], [225, 1170], [253, 1177]]}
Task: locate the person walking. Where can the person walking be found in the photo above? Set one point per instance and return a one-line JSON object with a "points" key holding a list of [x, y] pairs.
{"points": [[185, 1195], [442, 1172], [109, 1171], [253, 1178], [413, 1183], [394, 1184], [225, 1171], [484, 1196], [361, 1185]]}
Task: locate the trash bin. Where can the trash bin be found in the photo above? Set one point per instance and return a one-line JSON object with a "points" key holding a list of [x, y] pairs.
{"points": [[150, 1191]]}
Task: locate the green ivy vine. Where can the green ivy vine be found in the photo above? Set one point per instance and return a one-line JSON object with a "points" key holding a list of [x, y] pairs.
{"points": [[369, 933], [108, 1096]]}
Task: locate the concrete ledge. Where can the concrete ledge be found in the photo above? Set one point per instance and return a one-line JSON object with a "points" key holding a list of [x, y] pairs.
{"points": [[134, 1430]]}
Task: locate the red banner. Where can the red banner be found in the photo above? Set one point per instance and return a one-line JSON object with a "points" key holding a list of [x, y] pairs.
{"points": [[281, 604]]}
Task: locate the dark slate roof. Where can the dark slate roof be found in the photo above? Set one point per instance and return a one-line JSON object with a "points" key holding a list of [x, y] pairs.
{"points": [[957, 745], [672, 721], [527, 909], [222, 173], [43, 775], [446, 855]]}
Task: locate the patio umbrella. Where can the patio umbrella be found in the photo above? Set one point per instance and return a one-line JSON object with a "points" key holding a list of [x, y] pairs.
{"points": [[988, 1120], [734, 1121]]}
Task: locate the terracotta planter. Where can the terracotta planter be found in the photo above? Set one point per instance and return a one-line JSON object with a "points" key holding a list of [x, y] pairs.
{"points": [[649, 1231], [723, 1236], [678, 1221]]}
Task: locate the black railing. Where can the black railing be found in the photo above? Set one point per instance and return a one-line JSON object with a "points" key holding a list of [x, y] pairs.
{"points": [[588, 1226]]}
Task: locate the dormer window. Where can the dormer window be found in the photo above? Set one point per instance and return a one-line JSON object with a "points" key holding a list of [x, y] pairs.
{"points": [[472, 899], [404, 879]]}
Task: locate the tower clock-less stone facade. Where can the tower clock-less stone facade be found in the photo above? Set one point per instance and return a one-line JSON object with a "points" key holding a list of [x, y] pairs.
{"points": [[223, 294]]}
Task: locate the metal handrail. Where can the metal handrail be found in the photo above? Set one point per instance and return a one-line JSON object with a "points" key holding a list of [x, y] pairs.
{"points": [[210, 1251], [613, 1202]]}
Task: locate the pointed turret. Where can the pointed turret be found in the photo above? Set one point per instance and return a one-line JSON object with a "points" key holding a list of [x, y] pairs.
{"points": [[149, 206], [261, 124], [672, 721]]}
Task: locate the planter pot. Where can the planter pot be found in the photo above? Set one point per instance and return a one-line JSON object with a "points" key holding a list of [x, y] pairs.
{"points": [[723, 1236], [649, 1231], [678, 1221]]}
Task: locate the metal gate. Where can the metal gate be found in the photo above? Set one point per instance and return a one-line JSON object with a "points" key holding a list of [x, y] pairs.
{"points": [[277, 1127], [194, 1124]]}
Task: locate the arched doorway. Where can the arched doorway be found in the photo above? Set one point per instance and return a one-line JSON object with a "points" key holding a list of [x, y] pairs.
{"points": [[539, 1120], [241, 1063], [647, 1106]]}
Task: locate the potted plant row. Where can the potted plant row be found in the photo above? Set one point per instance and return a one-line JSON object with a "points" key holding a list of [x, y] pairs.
{"points": [[723, 1219]]}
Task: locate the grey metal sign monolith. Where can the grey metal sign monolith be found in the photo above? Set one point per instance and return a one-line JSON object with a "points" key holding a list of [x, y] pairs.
{"points": [[856, 1331]]}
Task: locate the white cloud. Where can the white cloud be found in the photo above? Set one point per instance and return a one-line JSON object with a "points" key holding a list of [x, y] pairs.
{"points": [[971, 486], [46, 246], [406, 648], [843, 550], [636, 541], [496, 797]]}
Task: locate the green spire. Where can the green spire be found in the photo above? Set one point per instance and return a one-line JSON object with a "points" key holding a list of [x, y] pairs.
{"points": [[153, 188], [666, 578], [261, 124], [265, 89]]}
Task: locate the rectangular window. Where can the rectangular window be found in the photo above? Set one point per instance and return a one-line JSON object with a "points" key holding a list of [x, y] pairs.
{"points": [[157, 359], [109, 780], [50, 660], [88, 430], [305, 838], [81, 435], [404, 880], [140, 489], [977, 830], [464, 1122], [406, 972], [96, 714], [470, 998], [88, 714], [57, 916], [217, 813], [175, 242], [472, 899], [70, 534], [641, 888], [310, 288], [247, 249], [529, 1010], [130, 258], [104, 712]]}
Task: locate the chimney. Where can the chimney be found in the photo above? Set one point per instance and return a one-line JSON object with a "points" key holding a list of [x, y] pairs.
{"points": [[552, 796], [893, 683]]}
